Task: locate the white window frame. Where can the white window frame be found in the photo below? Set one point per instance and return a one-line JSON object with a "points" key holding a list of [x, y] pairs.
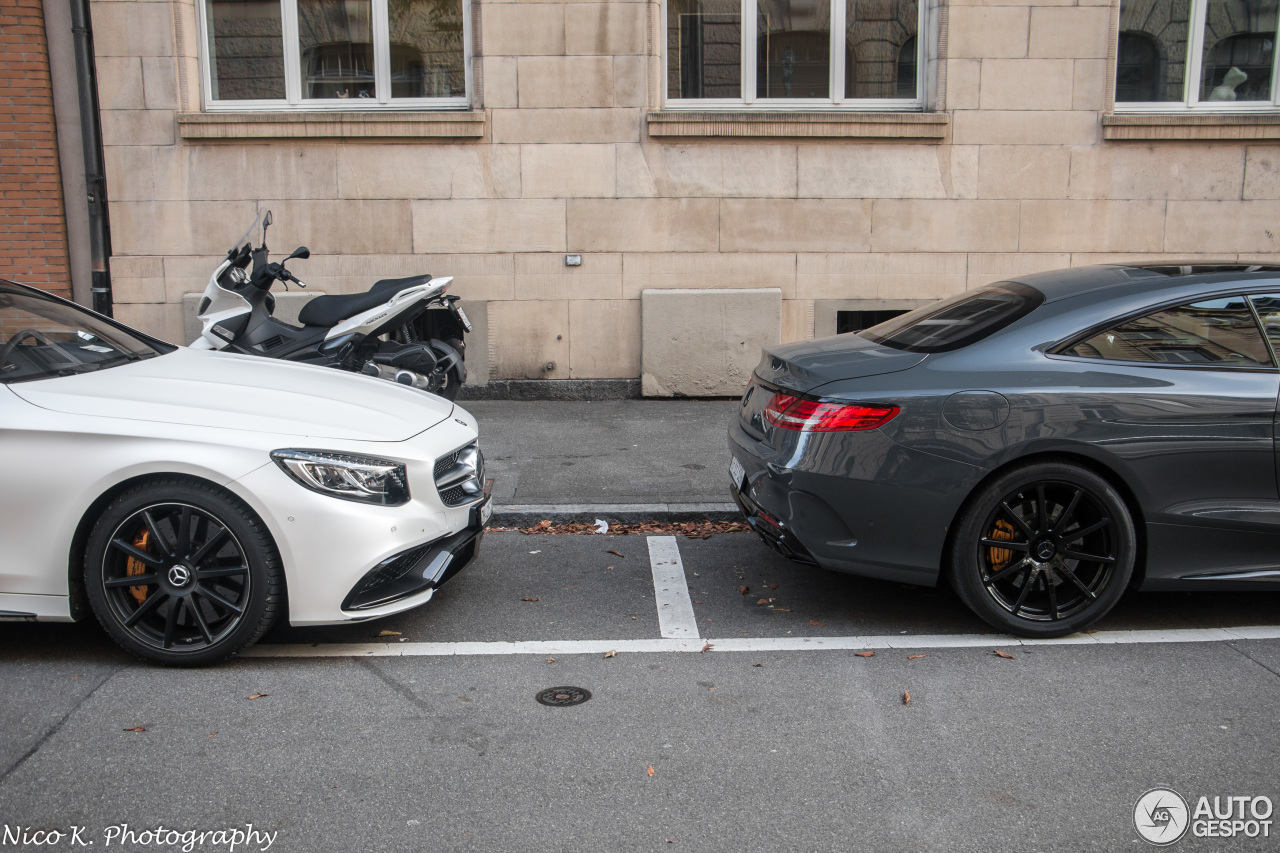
{"points": [[837, 102], [1191, 81], [293, 100]]}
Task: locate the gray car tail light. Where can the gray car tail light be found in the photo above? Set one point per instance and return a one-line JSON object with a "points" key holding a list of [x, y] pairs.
{"points": [[459, 476]]}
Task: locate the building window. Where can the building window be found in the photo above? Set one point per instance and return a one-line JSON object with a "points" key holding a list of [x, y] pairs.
{"points": [[1210, 55], [794, 54], [336, 54]]}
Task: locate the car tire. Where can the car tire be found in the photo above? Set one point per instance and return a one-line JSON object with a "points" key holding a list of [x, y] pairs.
{"points": [[181, 573], [1043, 550]]}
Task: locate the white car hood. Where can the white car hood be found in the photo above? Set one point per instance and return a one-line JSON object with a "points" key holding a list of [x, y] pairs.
{"points": [[213, 389]]}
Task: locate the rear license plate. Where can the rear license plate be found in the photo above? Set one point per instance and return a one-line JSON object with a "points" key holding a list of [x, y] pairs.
{"points": [[462, 318], [737, 474]]}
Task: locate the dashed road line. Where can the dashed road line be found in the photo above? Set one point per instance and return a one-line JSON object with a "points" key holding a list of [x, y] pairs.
{"points": [[676, 620], [762, 644]]}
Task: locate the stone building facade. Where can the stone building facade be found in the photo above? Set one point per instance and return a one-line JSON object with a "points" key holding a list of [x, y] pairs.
{"points": [[576, 133]]}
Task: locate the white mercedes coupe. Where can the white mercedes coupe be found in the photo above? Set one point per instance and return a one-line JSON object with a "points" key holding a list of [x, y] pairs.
{"points": [[187, 498]]}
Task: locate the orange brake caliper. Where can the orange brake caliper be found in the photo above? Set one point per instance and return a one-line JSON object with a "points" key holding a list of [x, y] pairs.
{"points": [[135, 567], [1000, 557]]}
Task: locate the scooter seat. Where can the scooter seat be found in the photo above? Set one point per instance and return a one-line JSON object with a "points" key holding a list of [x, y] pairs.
{"points": [[331, 310]]}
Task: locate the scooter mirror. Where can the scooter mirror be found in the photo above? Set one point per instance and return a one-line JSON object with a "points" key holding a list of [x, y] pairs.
{"points": [[300, 252]]}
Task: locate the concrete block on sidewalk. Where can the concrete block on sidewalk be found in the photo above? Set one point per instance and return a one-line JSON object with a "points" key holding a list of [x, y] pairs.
{"points": [[705, 343]]}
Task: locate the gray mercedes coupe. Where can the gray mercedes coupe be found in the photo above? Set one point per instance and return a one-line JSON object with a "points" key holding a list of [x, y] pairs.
{"points": [[1046, 442]]}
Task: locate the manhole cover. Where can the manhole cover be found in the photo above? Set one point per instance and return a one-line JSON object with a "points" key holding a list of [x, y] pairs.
{"points": [[562, 696]]}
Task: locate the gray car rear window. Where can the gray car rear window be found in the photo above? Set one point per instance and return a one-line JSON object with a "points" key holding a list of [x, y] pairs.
{"points": [[959, 321]]}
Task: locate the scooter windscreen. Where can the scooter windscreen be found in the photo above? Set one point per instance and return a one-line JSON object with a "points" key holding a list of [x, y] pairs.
{"points": [[256, 233]]}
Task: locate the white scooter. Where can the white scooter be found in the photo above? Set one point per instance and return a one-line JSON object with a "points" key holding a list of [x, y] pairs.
{"points": [[389, 331]]}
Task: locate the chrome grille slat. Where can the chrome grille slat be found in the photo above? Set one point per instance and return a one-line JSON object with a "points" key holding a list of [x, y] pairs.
{"points": [[459, 476]]}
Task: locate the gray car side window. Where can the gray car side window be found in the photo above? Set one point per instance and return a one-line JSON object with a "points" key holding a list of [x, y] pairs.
{"points": [[1211, 333], [1268, 307]]}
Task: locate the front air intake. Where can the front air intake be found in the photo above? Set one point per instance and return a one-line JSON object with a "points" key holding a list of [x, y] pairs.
{"points": [[460, 476]]}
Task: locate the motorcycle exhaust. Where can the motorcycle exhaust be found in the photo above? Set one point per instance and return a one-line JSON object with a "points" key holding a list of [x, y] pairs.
{"points": [[393, 374]]}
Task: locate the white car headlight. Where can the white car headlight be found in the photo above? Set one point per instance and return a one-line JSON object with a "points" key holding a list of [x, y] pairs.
{"points": [[353, 478]]}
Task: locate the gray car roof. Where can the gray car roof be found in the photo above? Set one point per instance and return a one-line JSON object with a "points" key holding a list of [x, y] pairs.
{"points": [[1061, 284]]}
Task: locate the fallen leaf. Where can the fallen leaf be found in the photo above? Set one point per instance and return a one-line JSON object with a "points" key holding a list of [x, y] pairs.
{"points": [[1026, 651], [211, 734], [696, 601], [464, 698], [706, 648], [744, 589], [906, 698], [136, 729], [551, 660], [608, 568], [615, 553], [388, 633], [259, 695], [782, 610], [773, 586], [545, 523], [763, 601], [612, 653], [526, 598], [812, 622], [650, 769], [916, 657], [757, 664], [865, 654], [1004, 655], [668, 840]]}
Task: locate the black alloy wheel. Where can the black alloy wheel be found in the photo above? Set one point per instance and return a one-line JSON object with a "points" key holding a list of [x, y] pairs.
{"points": [[180, 573], [1044, 550]]}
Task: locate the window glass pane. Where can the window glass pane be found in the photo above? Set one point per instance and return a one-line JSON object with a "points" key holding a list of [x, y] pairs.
{"points": [[246, 50], [793, 49], [959, 321], [704, 49], [880, 48], [1268, 308], [1239, 46], [336, 42], [1219, 332], [1151, 63], [427, 60]]}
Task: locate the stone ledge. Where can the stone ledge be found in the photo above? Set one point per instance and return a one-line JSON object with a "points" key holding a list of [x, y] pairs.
{"points": [[1207, 126], [922, 126], [330, 125]]}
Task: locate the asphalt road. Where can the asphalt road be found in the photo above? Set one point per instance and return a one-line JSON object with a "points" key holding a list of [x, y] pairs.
{"points": [[750, 750]]}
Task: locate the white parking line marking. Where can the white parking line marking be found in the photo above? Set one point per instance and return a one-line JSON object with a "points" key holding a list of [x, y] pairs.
{"points": [[760, 644], [675, 610]]}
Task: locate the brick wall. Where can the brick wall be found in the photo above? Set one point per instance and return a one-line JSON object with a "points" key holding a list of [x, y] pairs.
{"points": [[33, 229]]}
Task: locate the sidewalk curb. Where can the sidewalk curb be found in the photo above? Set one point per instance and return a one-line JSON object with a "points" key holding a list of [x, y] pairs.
{"points": [[525, 515]]}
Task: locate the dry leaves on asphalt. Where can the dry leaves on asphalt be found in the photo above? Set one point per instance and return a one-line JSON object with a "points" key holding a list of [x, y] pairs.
{"points": [[706, 648], [527, 598], [1004, 655], [259, 695], [687, 529], [136, 729], [782, 610], [651, 770], [211, 734], [388, 633], [906, 697], [615, 553], [916, 657], [819, 624], [612, 653], [744, 589], [551, 660], [865, 654], [773, 586], [763, 601], [757, 664]]}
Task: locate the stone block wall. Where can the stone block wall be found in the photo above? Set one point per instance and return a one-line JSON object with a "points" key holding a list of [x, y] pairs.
{"points": [[33, 229], [1021, 178]]}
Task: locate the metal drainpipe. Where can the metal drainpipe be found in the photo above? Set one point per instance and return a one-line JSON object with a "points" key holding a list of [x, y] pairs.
{"points": [[95, 174]]}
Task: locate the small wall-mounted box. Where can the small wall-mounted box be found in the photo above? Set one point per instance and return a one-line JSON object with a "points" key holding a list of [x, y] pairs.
{"points": [[573, 260]]}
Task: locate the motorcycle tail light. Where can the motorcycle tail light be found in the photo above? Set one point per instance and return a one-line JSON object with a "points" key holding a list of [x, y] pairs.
{"points": [[791, 411]]}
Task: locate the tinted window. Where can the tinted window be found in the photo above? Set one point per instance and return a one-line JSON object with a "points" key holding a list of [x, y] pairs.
{"points": [[42, 337], [1268, 308], [958, 321], [1216, 332]]}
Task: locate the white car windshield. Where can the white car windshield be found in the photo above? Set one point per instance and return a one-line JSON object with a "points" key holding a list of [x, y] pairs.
{"points": [[43, 337]]}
